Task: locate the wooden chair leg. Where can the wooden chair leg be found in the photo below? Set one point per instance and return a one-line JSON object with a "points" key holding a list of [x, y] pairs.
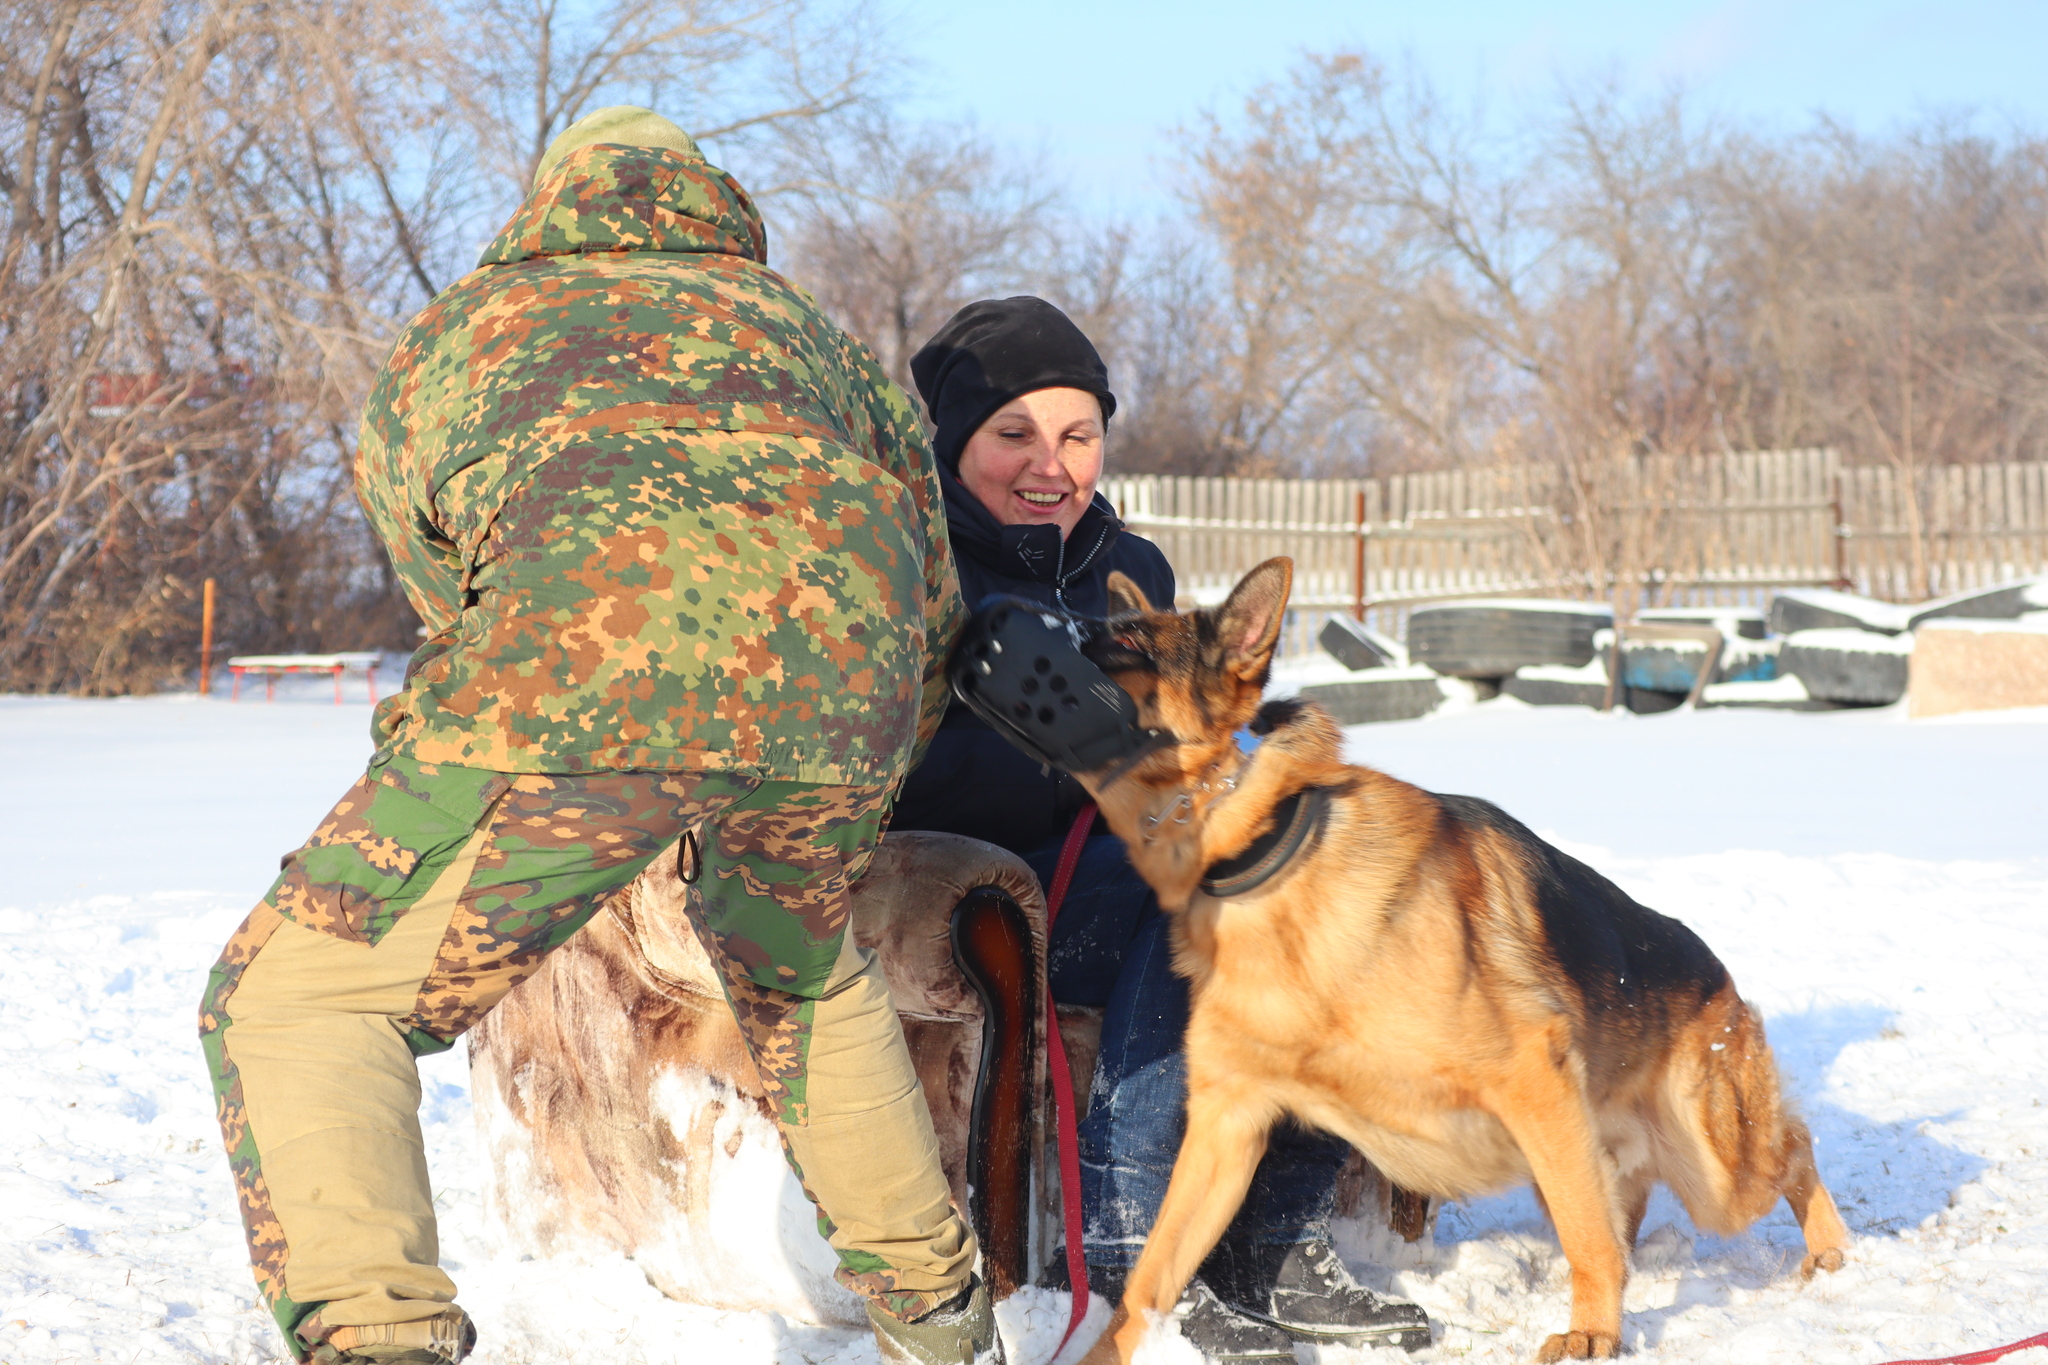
{"points": [[1408, 1213], [992, 945]]}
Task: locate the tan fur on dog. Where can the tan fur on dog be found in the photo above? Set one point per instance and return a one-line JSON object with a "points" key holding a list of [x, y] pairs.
{"points": [[1468, 1006]]}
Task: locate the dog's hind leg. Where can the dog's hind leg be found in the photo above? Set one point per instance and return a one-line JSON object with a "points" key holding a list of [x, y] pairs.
{"points": [[1543, 1106], [1635, 1202], [1820, 1222], [1225, 1139], [1736, 1144]]}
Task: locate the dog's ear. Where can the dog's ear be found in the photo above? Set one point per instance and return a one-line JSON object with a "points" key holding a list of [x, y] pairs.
{"points": [[1125, 597], [1250, 618]]}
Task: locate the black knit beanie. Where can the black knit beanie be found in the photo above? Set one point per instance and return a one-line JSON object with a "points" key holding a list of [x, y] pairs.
{"points": [[994, 350]]}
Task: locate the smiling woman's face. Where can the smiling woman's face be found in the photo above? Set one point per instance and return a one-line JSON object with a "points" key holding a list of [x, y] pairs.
{"points": [[1038, 459]]}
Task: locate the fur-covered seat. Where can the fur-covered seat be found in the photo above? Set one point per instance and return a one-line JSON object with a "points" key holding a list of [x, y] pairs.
{"points": [[620, 1111]]}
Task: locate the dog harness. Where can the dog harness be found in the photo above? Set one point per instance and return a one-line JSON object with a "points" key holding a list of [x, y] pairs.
{"points": [[1296, 821]]}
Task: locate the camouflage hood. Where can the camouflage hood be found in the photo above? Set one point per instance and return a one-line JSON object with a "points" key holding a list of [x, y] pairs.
{"points": [[623, 347], [612, 198]]}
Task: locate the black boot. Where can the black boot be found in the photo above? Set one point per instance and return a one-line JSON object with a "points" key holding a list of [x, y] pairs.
{"points": [[1219, 1332], [959, 1332], [1305, 1291]]}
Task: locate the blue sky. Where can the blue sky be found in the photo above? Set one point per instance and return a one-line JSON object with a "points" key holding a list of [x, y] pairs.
{"points": [[1096, 84]]}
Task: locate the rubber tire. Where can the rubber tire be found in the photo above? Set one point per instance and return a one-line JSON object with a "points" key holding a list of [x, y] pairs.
{"points": [[1352, 645], [1372, 700], [1660, 668], [1790, 615], [1844, 675], [1492, 642], [1996, 604], [1553, 692], [1644, 701], [1740, 665]]}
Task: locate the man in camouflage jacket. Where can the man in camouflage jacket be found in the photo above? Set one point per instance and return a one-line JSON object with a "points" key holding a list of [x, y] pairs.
{"points": [[681, 554]]}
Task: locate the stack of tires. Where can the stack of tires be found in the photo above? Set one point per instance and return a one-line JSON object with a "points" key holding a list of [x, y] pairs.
{"points": [[1545, 653], [1854, 651], [1391, 689], [1482, 642], [1847, 650], [1486, 641], [1814, 649]]}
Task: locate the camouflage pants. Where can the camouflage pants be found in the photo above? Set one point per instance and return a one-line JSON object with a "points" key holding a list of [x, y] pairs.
{"points": [[431, 891]]}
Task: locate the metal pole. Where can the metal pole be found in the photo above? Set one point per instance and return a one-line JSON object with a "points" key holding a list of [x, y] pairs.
{"points": [[1358, 564], [206, 639], [1841, 530]]}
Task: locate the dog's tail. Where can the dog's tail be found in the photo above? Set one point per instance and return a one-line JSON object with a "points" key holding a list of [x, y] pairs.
{"points": [[1733, 1137]]}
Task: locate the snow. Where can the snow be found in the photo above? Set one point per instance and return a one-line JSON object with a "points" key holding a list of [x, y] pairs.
{"points": [[1876, 885], [1319, 668], [1594, 670], [1307, 670], [1730, 621], [2030, 623], [1523, 604], [1850, 640], [1740, 647], [359, 659], [1638, 645], [1783, 690]]}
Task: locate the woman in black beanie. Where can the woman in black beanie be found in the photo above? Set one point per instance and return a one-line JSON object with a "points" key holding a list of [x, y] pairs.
{"points": [[1020, 404]]}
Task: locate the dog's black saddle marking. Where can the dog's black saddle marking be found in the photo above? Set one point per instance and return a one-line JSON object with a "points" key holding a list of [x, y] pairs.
{"points": [[1295, 821]]}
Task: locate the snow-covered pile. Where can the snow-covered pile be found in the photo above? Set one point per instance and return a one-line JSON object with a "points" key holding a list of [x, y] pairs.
{"points": [[1879, 887], [1594, 670], [2028, 623], [1567, 606], [1850, 640], [1733, 622]]}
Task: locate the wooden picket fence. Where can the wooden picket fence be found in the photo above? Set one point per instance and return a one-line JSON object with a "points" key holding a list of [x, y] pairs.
{"points": [[1653, 530]]}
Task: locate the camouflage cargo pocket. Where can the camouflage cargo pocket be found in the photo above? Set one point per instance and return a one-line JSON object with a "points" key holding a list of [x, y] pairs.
{"points": [[382, 846]]}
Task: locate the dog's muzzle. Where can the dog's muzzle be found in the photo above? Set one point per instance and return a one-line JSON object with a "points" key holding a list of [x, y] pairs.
{"points": [[1020, 667]]}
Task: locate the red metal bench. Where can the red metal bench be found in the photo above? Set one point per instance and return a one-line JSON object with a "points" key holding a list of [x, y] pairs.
{"points": [[272, 666]]}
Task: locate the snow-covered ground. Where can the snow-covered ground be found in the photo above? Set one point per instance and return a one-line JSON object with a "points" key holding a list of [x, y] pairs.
{"points": [[1878, 886]]}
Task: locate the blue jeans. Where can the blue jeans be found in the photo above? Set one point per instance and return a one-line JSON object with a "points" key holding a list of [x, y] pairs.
{"points": [[1109, 949]]}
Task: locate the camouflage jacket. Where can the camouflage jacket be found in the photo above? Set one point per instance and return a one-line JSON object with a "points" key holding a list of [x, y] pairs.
{"points": [[625, 318]]}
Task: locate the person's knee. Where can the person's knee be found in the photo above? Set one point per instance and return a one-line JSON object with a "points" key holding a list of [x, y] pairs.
{"points": [[1146, 1112], [859, 1059]]}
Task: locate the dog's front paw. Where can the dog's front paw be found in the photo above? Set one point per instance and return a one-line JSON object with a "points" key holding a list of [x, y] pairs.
{"points": [[1829, 1260], [1119, 1341], [1580, 1346]]}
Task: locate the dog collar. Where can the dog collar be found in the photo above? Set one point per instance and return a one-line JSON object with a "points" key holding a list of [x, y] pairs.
{"points": [[1295, 821]]}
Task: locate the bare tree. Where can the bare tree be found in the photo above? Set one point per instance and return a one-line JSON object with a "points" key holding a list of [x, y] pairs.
{"points": [[182, 331], [1374, 281], [218, 214], [893, 227], [733, 72]]}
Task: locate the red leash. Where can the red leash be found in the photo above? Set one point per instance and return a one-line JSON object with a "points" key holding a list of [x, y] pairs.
{"points": [[1063, 1086], [1975, 1357]]}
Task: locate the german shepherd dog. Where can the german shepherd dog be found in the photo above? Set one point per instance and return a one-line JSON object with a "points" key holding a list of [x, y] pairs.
{"points": [[1468, 1006]]}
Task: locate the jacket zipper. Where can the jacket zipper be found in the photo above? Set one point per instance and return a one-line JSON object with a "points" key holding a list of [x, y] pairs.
{"points": [[1059, 571]]}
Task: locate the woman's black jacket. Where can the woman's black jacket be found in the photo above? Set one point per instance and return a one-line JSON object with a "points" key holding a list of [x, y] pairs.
{"points": [[972, 781]]}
